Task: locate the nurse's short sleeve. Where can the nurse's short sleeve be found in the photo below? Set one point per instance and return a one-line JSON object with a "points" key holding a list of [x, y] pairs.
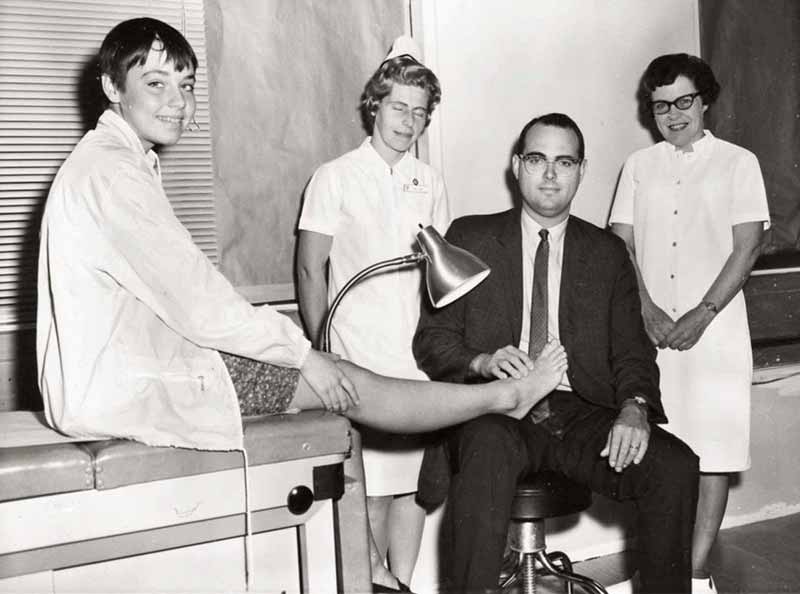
{"points": [[749, 200], [322, 203], [622, 210]]}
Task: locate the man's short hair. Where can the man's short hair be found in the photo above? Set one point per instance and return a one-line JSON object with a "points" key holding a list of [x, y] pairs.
{"points": [[128, 44], [402, 70], [558, 120], [665, 69]]}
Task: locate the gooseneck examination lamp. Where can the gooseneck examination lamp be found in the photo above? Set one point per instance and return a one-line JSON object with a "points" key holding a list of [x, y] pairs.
{"points": [[450, 273]]}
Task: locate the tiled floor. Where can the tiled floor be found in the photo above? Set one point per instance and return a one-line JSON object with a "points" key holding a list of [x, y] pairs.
{"points": [[760, 558]]}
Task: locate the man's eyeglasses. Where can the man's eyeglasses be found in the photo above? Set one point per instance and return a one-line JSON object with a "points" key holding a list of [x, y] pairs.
{"points": [[683, 103], [535, 163]]}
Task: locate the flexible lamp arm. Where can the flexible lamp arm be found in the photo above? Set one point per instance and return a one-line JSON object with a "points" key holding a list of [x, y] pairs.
{"points": [[412, 258]]}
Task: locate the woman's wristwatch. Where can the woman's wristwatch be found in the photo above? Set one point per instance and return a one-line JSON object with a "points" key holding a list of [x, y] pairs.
{"points": [[710, 306]]}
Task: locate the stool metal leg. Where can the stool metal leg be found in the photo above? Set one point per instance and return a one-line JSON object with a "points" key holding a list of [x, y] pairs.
{"points": [[557, 557], [560, 557], [566, 566], [527, 539], [587, 582], [514, 575]]}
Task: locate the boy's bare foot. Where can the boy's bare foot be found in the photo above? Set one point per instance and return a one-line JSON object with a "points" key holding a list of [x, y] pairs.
{"points": [[548, 369]]}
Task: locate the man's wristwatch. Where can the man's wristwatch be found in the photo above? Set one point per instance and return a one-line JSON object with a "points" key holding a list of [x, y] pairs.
{"points": [[639, 401]]}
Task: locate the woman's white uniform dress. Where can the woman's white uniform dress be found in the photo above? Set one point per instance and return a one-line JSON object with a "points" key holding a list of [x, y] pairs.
{"points": [[682, 206], [373, 213]]}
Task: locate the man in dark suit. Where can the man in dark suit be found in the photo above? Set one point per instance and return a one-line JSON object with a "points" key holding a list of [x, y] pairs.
{"points": [[556, 277]]}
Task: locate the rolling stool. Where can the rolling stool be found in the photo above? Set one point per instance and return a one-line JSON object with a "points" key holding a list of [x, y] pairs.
{"points": [[539, 496]]}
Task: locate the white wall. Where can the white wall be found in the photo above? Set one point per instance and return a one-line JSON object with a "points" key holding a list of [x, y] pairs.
{"points": [[503, 62], [500, 64], [771, 487]]}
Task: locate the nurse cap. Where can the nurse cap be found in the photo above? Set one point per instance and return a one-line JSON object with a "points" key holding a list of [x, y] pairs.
{"points": [[405, 45]]}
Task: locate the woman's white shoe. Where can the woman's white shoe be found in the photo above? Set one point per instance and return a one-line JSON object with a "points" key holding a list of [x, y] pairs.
{"points": [[703, 586]]}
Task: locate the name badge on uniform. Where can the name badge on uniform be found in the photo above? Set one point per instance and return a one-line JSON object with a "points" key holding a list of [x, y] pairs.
{"points": [[415, 187]]}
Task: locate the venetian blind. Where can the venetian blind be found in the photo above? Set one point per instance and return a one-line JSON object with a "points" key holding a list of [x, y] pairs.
{"points": [[47, 81]]}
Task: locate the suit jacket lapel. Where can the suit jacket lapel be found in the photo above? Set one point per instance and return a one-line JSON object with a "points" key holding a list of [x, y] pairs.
{"points": [[573, 273], [510, 262]]}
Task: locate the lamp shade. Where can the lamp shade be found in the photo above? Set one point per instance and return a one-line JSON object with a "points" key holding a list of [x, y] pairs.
{"points": [[451, 271]]}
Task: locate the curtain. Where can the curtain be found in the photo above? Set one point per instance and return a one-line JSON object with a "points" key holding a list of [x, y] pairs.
{"points": [[754, 49]]}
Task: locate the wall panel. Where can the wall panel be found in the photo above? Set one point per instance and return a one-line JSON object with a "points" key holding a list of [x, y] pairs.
{"points": [[285, 79]]}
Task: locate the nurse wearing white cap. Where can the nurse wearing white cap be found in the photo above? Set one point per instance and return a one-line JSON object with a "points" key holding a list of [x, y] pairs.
{"points": [[360, 208]]}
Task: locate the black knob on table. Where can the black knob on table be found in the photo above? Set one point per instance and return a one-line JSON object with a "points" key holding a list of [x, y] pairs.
{"points": [[299, 500]]}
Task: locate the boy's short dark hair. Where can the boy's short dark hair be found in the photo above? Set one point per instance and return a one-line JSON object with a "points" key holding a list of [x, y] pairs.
{"points": [[402, 70], [129, 43]]}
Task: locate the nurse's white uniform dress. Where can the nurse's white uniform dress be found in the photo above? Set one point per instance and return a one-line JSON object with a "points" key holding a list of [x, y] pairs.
{"points": [[373, 213], [682, 206]]}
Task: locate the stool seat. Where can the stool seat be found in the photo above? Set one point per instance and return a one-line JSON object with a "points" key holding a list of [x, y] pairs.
{"points": [[548, 494]]}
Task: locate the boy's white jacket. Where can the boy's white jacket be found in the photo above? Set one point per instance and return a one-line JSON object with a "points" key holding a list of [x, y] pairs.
{"points": [[131, 314]]}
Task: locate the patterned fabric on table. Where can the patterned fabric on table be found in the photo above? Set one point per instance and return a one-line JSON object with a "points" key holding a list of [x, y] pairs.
{"points": [[262, 388]]}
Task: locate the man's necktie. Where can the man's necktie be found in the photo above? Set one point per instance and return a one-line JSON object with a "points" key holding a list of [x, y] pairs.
{"points": [[538, 332]]}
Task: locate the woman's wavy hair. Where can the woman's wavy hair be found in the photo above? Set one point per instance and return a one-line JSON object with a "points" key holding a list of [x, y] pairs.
{"points": [[403, 70], [665, 69]]}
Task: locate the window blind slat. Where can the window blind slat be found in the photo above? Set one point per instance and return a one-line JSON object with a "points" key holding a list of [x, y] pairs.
{"points": [[45, 46]]}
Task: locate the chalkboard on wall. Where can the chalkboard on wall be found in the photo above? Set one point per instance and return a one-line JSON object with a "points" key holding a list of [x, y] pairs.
{"points": [[285, 77]]}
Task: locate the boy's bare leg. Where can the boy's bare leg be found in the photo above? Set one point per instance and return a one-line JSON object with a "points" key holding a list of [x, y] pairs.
{"points": [[411, 406]]}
